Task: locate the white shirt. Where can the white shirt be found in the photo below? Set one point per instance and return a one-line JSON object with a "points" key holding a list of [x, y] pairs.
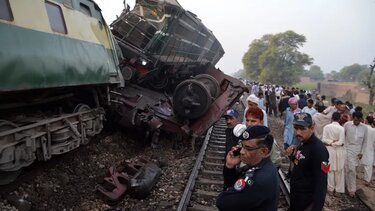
{"points": [[320, 121], [368, 154], [355, 137], [334, 134], [311, 110]]}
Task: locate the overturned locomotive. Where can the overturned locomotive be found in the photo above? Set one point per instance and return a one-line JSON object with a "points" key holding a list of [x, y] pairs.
{"points": [[62, 69], [169, 50]]}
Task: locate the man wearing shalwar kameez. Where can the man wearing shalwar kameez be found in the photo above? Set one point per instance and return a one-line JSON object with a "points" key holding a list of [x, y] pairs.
{"points": [[355, 142], [334, 139], [368, 156]]}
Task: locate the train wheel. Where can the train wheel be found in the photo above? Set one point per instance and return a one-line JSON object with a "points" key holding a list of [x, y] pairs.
{"points": [[191, 99], [7, 176], [210, 82], [89, 125], [159, 81], [81, 107]]}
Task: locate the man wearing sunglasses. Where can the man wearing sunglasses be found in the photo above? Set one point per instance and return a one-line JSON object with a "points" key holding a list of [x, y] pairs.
{"points": [[254, 186], [308, 182]]}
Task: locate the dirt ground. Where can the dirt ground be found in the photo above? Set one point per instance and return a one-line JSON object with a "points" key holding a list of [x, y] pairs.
{"points": [[350, 91], [70, 181]]}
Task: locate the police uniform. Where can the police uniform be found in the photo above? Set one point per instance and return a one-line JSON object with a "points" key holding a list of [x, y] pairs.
{"points": [[252, 188], [308, 180]]}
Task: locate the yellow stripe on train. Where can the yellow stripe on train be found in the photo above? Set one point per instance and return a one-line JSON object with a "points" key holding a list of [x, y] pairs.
{"points": [[32, 14]]}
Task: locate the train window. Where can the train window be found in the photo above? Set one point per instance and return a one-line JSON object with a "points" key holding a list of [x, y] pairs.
{"points": [[68, 3], [5, 11], [85, 9], [56, 18]]}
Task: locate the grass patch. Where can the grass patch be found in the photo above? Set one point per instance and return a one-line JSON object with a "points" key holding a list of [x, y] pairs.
{"points": [[306, 86]]}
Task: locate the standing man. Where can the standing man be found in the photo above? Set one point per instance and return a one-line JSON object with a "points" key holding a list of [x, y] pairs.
{"points": [[332, 108], [283, 103], [254, 116], [320, 120], [254, 186], [309, 108], [334, 139], [355, 142], [289, 138], [272, 103], [232, 119], [253, 102], [324, 101], [308, 182], [345, 113], [368, 156]]}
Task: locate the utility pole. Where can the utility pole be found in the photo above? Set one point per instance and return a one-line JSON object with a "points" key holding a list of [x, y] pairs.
{"points": [[370, 84]]}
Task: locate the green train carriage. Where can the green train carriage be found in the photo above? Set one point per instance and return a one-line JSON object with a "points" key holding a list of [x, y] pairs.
{"points": [[57, 65]]}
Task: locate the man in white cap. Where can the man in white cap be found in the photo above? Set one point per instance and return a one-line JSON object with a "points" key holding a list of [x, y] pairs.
{"points": [[253, 102]]}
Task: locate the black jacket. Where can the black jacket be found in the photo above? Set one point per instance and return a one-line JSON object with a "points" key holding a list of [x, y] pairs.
{"points": [[262, 194], [308, 181], [283, 104], [230, 140]]}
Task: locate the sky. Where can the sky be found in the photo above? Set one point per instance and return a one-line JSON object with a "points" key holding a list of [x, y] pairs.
{"points": [[338, 32]]}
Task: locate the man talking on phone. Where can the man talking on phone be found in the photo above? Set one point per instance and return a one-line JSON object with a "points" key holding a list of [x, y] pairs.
{"points": [[254, 186]]}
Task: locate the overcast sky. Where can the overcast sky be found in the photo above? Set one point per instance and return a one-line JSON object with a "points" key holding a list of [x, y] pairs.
{"points": [[338, 32]]}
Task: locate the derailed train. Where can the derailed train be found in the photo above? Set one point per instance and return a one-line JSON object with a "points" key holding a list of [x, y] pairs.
{"points": [[62, 69]]}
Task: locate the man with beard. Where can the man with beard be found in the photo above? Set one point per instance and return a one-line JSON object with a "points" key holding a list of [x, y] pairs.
{"points": [[289, 137], [254, 186], [308, 182]]}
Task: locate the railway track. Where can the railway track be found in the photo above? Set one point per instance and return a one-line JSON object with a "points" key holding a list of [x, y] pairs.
{"points": [[206, 179]]}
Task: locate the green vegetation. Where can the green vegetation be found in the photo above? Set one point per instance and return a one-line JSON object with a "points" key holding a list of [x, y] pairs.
{"points": [[315, 73], [352, 73], [275, 58], [306, 86]]}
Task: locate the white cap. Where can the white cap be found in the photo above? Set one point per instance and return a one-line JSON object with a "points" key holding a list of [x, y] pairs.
{"points": [[252, 98]]}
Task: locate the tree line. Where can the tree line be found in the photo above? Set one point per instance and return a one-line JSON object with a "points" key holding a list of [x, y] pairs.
{"points": [[276, 59]]}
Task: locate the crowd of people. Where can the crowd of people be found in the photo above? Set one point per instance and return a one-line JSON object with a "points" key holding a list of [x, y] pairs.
{"points": [[325, 143]]}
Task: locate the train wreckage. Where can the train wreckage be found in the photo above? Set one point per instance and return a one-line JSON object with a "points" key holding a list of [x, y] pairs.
{"points": [[168, 64], [64, 71]]}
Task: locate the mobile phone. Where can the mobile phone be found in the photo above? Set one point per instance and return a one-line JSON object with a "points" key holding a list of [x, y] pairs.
{"points": [[237, 152]]}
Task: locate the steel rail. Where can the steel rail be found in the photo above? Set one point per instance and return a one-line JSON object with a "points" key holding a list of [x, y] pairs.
{"points": [[185, 199], [285, 186]]}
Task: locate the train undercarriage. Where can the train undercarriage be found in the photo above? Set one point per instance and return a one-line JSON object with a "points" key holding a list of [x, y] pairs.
{"points": [[33, 130]]}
